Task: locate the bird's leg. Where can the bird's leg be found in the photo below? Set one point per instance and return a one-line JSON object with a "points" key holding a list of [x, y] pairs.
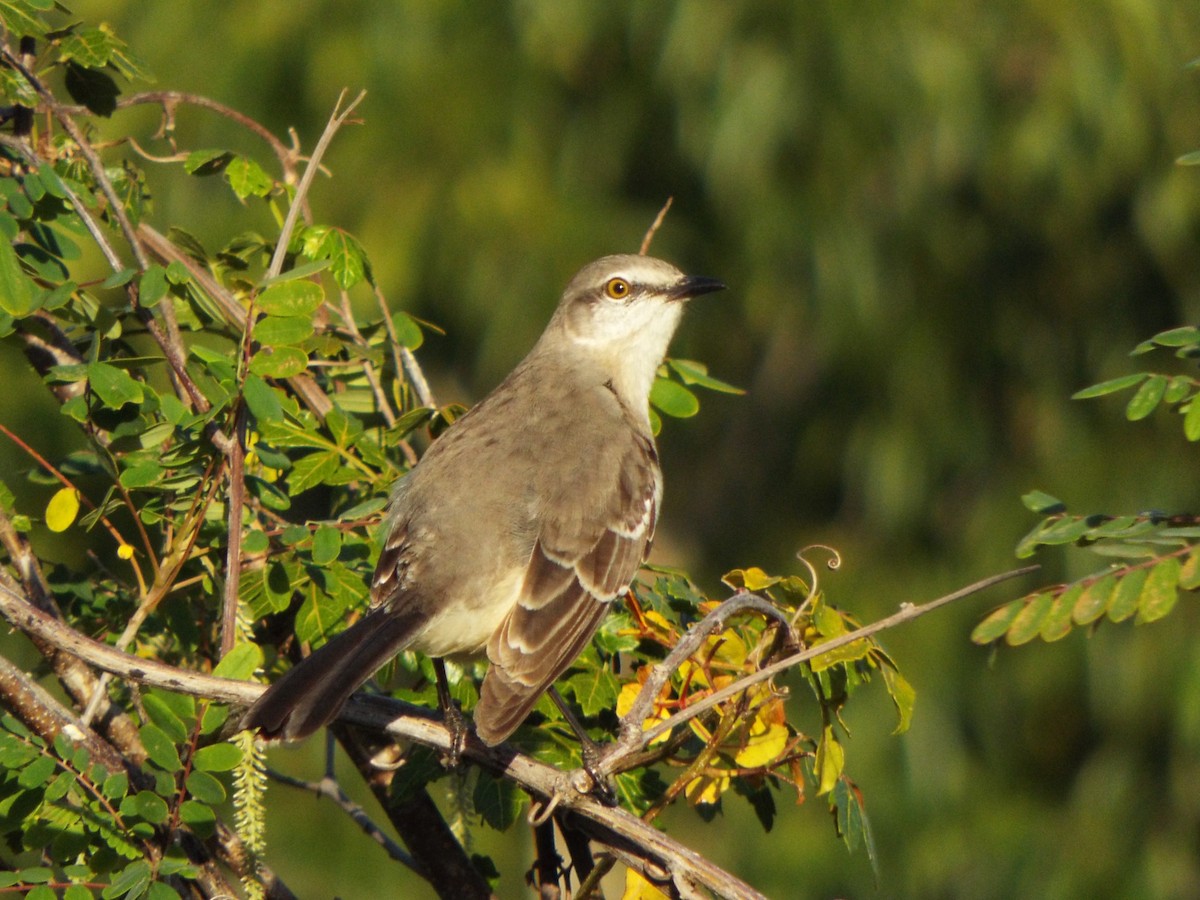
{"points": [[452, 716], [589, 751]]}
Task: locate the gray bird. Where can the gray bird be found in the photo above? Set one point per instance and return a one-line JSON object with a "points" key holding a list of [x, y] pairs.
{"points": [[525, 520]]}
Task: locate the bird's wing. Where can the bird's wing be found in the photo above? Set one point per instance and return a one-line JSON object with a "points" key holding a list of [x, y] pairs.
{"points": [[586, 554]]}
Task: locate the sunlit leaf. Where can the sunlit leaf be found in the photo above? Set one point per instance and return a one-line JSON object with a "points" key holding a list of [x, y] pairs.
{"points": [[996, 623], [1094, 600], [1027, 624], [1111, 386], [1146, 399], [831, 759], [62, 509], [673, 399], [1057, 622], [299, 297], [1160, 591], [1124, 601]]}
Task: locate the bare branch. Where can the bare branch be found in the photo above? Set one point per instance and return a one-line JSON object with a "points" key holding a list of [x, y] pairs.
{"points": [[654, 226], [336, 121]]}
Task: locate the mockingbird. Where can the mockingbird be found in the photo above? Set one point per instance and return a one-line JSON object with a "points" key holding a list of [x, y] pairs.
{"points": [[524, 521]]}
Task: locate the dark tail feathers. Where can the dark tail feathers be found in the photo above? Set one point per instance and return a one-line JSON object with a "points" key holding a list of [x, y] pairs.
{"points": [[313, 692]]}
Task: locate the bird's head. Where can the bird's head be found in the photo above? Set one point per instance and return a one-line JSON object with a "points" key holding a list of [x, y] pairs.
{"points": [[622, 311]]}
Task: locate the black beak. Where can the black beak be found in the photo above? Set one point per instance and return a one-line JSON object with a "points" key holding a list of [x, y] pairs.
{"points": [[694, 286]]}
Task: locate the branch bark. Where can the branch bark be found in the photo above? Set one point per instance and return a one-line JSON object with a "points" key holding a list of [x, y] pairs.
{"points": [[636, 843]]}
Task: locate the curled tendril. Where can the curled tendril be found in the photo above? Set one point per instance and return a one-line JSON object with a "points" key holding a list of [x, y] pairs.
{"points": [[833, 563]]}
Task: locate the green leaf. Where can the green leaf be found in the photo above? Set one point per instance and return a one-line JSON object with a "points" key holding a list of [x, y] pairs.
{"points": [[1111, 386], [347, 258], [673, 399], [1057, 623], [37, 773], [160, 890], [162, 715], [408, 331], [274, 331], [1191, 420], [1178, 337], [93, 88], [199, 816], [310, 471], [152, 286], [267, 494], [594, 691], [1189, 159], [1094, 600], [205, 788], [692, 372], [140, 475], [160, 748], [240, 663], [904, 697], [497, 800], [133, 881], [1042, 503], [262, 400], [326, 545], [299, 297], [116, 786], [1160, 592], [150, 807], [279, 362], [19, 296], [1124, 601], [1027, 624], [1146, 398], [206, 162], [1189, 572], [217, 757], [831, 760], [247, 178], [115, 387]]}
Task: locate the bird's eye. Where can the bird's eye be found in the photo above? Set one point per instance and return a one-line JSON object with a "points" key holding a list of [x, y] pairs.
{"points": [[617, 288]]}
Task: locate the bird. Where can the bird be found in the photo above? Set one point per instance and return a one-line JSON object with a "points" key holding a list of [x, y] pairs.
{"points": [[524, 521]]}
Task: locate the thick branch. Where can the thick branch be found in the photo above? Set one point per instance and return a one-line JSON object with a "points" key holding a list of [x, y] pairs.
{"points": [[635, 842]]}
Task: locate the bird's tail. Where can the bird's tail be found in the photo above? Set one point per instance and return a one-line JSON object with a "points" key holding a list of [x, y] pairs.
{"points": [[312, 692]]}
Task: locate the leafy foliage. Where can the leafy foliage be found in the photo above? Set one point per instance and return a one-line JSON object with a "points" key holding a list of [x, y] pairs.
{"points": [[1159, 553]]}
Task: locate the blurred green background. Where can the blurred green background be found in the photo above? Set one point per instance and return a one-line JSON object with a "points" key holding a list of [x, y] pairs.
{"points": [[937, 220]]}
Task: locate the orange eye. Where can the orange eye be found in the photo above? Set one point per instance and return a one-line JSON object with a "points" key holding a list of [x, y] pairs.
{"points": [[617, 288]]}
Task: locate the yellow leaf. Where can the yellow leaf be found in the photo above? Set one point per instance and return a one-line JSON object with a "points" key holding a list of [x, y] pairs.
{"points": [[850, 652], [766, 743], [831, 757], [727, 648], [706, 789], [658, 619], [752, 579], [638, 888], [62, 509]]}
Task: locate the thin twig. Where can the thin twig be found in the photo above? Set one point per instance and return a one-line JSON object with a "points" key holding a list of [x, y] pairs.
{"points": [[336, 120], [654, 226], [236, 500], [328, 788]]}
